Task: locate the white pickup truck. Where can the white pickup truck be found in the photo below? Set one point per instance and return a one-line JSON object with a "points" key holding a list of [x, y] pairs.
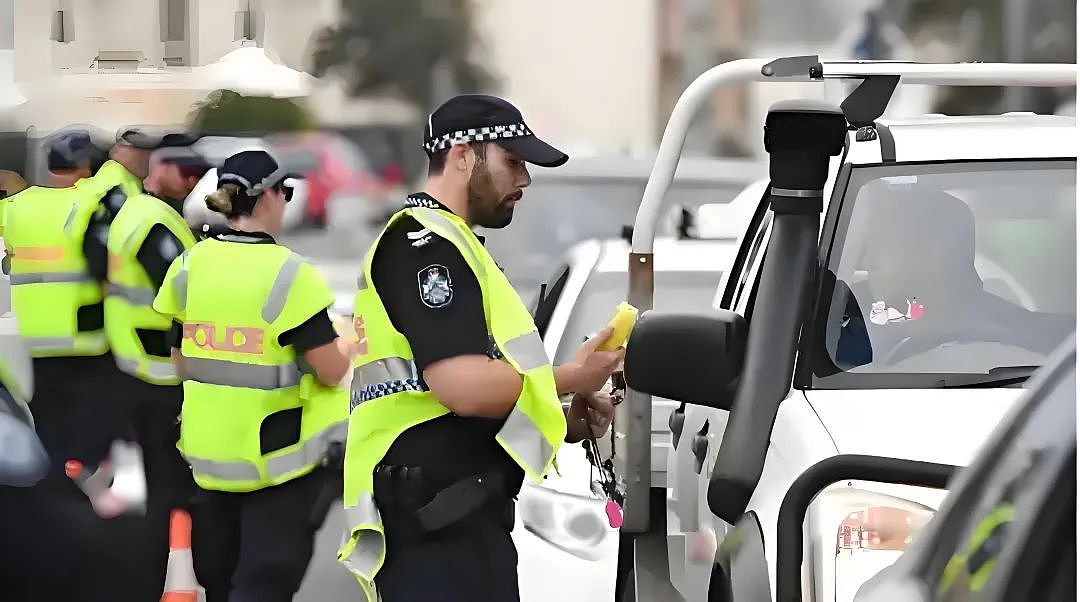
{"points": [[898, 283]]}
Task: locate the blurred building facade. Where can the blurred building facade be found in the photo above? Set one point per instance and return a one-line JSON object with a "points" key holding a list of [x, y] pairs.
{"points": [[124, 61], [598, 77]]}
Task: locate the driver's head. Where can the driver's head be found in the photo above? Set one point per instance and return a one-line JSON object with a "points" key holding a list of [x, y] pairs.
{"points": [[920, 243]]}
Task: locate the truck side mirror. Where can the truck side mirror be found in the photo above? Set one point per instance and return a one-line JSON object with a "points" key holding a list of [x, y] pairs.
{"points": [[685, 357]]}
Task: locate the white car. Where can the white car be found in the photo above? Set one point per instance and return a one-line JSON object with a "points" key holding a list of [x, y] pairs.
{"points": [[902, 325]]}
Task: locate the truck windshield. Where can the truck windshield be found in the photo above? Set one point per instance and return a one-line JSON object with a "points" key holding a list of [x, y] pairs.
{"points": [[948, 271]]}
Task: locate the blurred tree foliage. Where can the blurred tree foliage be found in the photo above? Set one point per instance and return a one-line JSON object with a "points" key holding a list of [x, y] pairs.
{"points": [[402, 47], [226, 112]]}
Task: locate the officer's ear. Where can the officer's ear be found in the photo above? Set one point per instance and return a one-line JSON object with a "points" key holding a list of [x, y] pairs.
{"points": [[459, 157]]}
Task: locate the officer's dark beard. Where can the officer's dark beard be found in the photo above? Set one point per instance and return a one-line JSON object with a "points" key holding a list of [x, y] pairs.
{"points": [[484, 201]]}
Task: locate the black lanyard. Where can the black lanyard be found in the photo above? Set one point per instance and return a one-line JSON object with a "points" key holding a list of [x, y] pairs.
{"points": [[608, 483]]}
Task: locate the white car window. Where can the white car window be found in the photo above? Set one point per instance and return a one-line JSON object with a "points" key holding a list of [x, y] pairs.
{"points": [[956, 268]]}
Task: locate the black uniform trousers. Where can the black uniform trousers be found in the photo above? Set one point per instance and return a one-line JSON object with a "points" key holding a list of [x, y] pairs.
{"points": [[256, 546], [473, 560], [55, 547]]}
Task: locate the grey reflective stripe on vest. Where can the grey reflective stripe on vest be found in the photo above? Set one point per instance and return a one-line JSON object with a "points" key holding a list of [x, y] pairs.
{"points": [[383, 371], [446, 228], [50, 342], [143, 297], [180, 283], [226, 471], [154, 369], [70, 218], [361, 282], [521, 435], [311, 452], [527, 350], [362, 520], [50, 277], [279, 292], [236, 374]]}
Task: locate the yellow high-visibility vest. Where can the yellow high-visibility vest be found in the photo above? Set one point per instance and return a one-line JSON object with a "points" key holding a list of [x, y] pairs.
{"points": [[130, 293], [112, 174], [44, 230], [235, 300], [388, 397]]}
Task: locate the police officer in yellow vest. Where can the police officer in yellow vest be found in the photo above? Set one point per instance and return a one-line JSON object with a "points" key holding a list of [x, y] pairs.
{"points": [[143, 235], [454, 400], [58, 295], [262, 409], [132, 240]]}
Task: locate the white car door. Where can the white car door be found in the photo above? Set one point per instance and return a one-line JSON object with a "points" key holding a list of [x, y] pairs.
{"points": [[691, 540]]}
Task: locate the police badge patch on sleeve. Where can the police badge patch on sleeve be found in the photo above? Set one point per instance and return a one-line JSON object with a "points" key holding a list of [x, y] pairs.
{"points": [[436, 289]]}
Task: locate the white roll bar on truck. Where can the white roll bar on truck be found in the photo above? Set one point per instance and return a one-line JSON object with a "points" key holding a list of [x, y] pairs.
{"points": [[634, 416]]}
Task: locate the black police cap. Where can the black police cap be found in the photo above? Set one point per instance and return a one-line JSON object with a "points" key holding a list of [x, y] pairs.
{"points": [[254, 171], [72, 148], [482, 118]]}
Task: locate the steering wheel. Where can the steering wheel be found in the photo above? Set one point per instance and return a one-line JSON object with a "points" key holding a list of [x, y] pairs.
{"points": [[973, 333]]}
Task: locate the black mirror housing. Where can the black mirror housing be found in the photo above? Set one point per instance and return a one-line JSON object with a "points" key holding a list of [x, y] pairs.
{"points": [[687, 357]]}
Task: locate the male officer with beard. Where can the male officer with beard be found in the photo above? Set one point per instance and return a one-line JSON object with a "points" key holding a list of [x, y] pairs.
{"points": [[455, 400]]}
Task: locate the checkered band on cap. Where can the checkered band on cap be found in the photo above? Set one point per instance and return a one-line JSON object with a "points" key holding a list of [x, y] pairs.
{"points": [[481, 134]]}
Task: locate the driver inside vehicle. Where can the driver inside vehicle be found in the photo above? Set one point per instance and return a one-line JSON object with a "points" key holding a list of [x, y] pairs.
{"points": [[922, 290]]}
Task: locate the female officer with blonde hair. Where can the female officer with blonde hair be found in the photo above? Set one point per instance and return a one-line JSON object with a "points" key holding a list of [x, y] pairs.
{"points": [[263, 409]]}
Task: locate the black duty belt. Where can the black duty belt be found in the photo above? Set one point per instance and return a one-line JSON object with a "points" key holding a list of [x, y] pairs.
{"points": [[400, 495]]}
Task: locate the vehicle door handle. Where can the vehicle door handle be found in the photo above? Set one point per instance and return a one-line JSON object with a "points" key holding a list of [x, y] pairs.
{"points": [[699, 445], [675, 422]]}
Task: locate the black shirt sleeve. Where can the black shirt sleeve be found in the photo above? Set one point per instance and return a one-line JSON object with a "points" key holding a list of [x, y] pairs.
{"points": [[176, 335], [157, 253], [96, 247], [316, 331], [96, 240], [438, 324]]}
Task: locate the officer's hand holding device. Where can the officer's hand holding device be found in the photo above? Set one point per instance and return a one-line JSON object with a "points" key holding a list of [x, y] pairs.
{"points": [[590, 368]]}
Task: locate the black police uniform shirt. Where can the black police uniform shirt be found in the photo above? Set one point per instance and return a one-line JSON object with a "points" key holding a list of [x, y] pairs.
{"points": [[281, 429], [434, 300]]}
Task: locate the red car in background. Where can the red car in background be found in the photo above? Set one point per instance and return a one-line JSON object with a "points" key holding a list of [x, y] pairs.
{"points": [[331, 165]]}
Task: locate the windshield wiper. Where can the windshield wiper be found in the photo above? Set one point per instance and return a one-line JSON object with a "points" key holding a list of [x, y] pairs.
{"points": [[1001, 376]]}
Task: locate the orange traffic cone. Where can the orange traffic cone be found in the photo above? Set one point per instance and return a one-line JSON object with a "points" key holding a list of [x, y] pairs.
{"points": [[180, 582]]}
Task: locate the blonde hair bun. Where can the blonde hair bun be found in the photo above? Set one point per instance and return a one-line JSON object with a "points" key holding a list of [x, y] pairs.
{"points": [[221, 200]]}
